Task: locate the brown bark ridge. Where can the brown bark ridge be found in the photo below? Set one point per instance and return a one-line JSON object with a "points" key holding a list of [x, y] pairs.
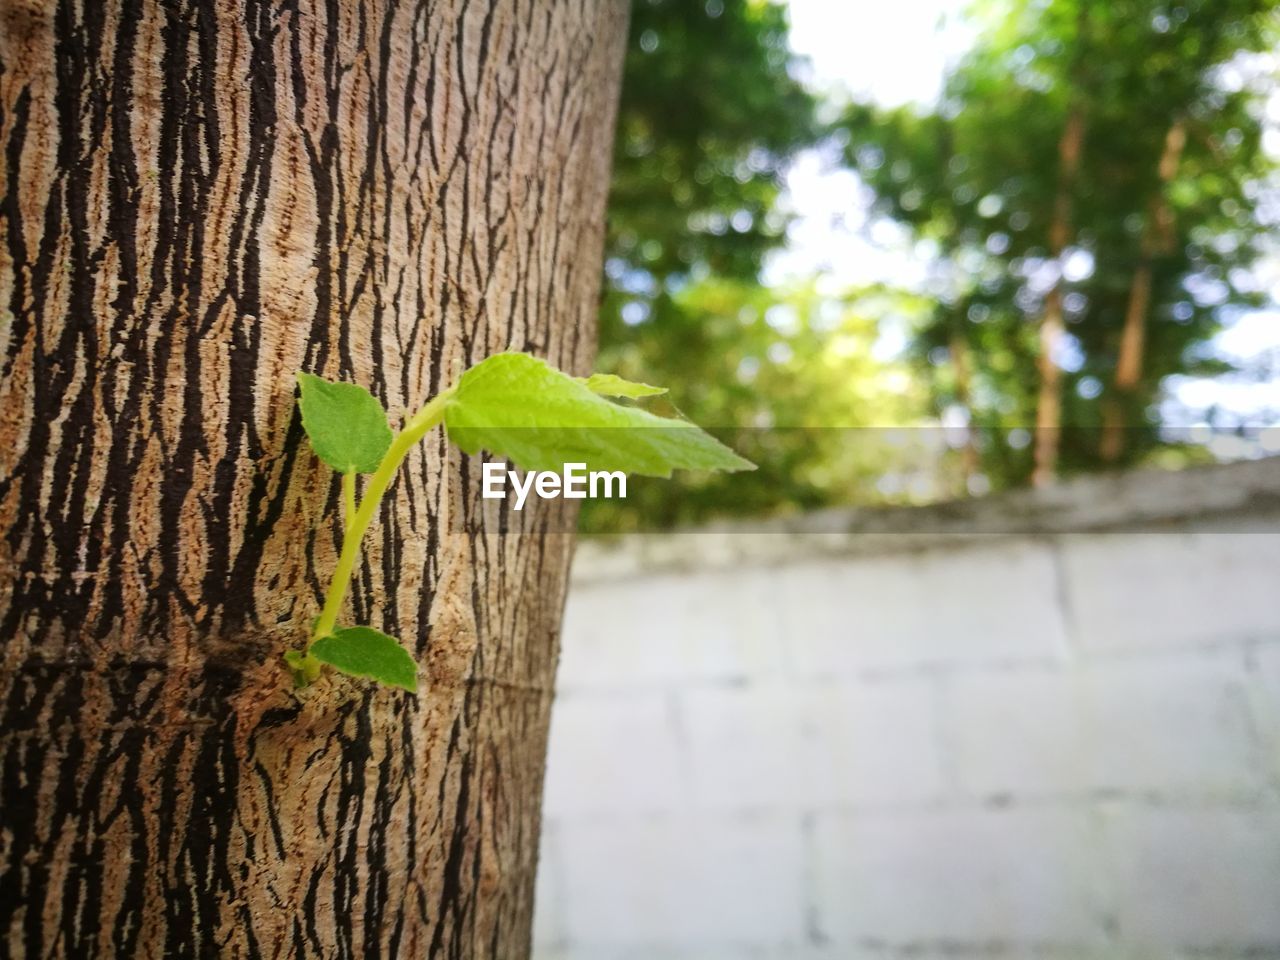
{"points": [[1157, 239], [200, 198]]}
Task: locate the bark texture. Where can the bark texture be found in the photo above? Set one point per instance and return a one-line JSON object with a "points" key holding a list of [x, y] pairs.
{"points": [[201, 197]]}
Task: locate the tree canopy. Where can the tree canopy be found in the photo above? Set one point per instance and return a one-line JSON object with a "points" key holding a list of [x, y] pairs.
{"points": [[1161, 216], [1089, 186]]}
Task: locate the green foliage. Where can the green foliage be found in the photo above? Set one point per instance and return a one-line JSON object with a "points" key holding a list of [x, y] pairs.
{"points": [[792, 378], [709, 117], [518, 407], [365, 652], [979, 178], [511, 404], [711, 113], [345, 423], [612, 385]]}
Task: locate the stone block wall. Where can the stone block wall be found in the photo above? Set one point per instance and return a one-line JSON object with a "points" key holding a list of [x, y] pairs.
{"points": [[1043, 725]]}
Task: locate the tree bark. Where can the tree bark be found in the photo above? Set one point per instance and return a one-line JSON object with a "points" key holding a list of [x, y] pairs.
{"points": [[201, 198], [1157, 238]]}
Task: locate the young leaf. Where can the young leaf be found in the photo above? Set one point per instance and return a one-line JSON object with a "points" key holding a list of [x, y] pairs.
{"points": [[346, 425], [366, 652], [516, 406], [612, 385]]}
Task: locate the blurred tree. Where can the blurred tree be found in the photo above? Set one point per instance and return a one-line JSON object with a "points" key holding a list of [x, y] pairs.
{"points": [[711, 113], [1090, 181], [796, 373], [709, 116]]}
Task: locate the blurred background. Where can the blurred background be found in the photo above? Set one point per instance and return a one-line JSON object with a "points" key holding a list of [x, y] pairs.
{"points": [[984, 659], [947, 217]]}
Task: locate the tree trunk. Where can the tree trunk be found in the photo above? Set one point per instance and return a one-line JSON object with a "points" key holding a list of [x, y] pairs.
{"points": [[1052, 328], [1157, 238], [960, 364], [201, 198]]}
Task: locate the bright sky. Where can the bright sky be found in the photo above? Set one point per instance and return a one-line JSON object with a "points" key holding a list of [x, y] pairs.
{"points": [[893, 52], [897, 53]]}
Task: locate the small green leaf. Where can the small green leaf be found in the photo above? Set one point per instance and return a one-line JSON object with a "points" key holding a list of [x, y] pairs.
{"points": [[516, 406], [366, 652], [612, 385], [346, 425]]}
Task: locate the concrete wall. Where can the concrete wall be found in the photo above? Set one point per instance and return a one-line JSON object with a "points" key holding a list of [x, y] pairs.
{"points": [[971, 731]]}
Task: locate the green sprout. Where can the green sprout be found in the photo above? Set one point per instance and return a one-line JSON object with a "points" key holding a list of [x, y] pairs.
{"points": [[514, 406]]}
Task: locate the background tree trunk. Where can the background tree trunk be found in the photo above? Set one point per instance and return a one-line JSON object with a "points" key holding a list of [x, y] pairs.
{"points": [[962, 368], [1048, 439], [1157, 240], [199, 199]]}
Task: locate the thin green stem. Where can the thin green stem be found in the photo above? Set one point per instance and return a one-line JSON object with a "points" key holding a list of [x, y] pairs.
{"points": [[358, 522], [348, 499]]}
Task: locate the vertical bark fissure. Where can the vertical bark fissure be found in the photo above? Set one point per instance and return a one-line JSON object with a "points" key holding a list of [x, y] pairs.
{"points": [[199, 199]]}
